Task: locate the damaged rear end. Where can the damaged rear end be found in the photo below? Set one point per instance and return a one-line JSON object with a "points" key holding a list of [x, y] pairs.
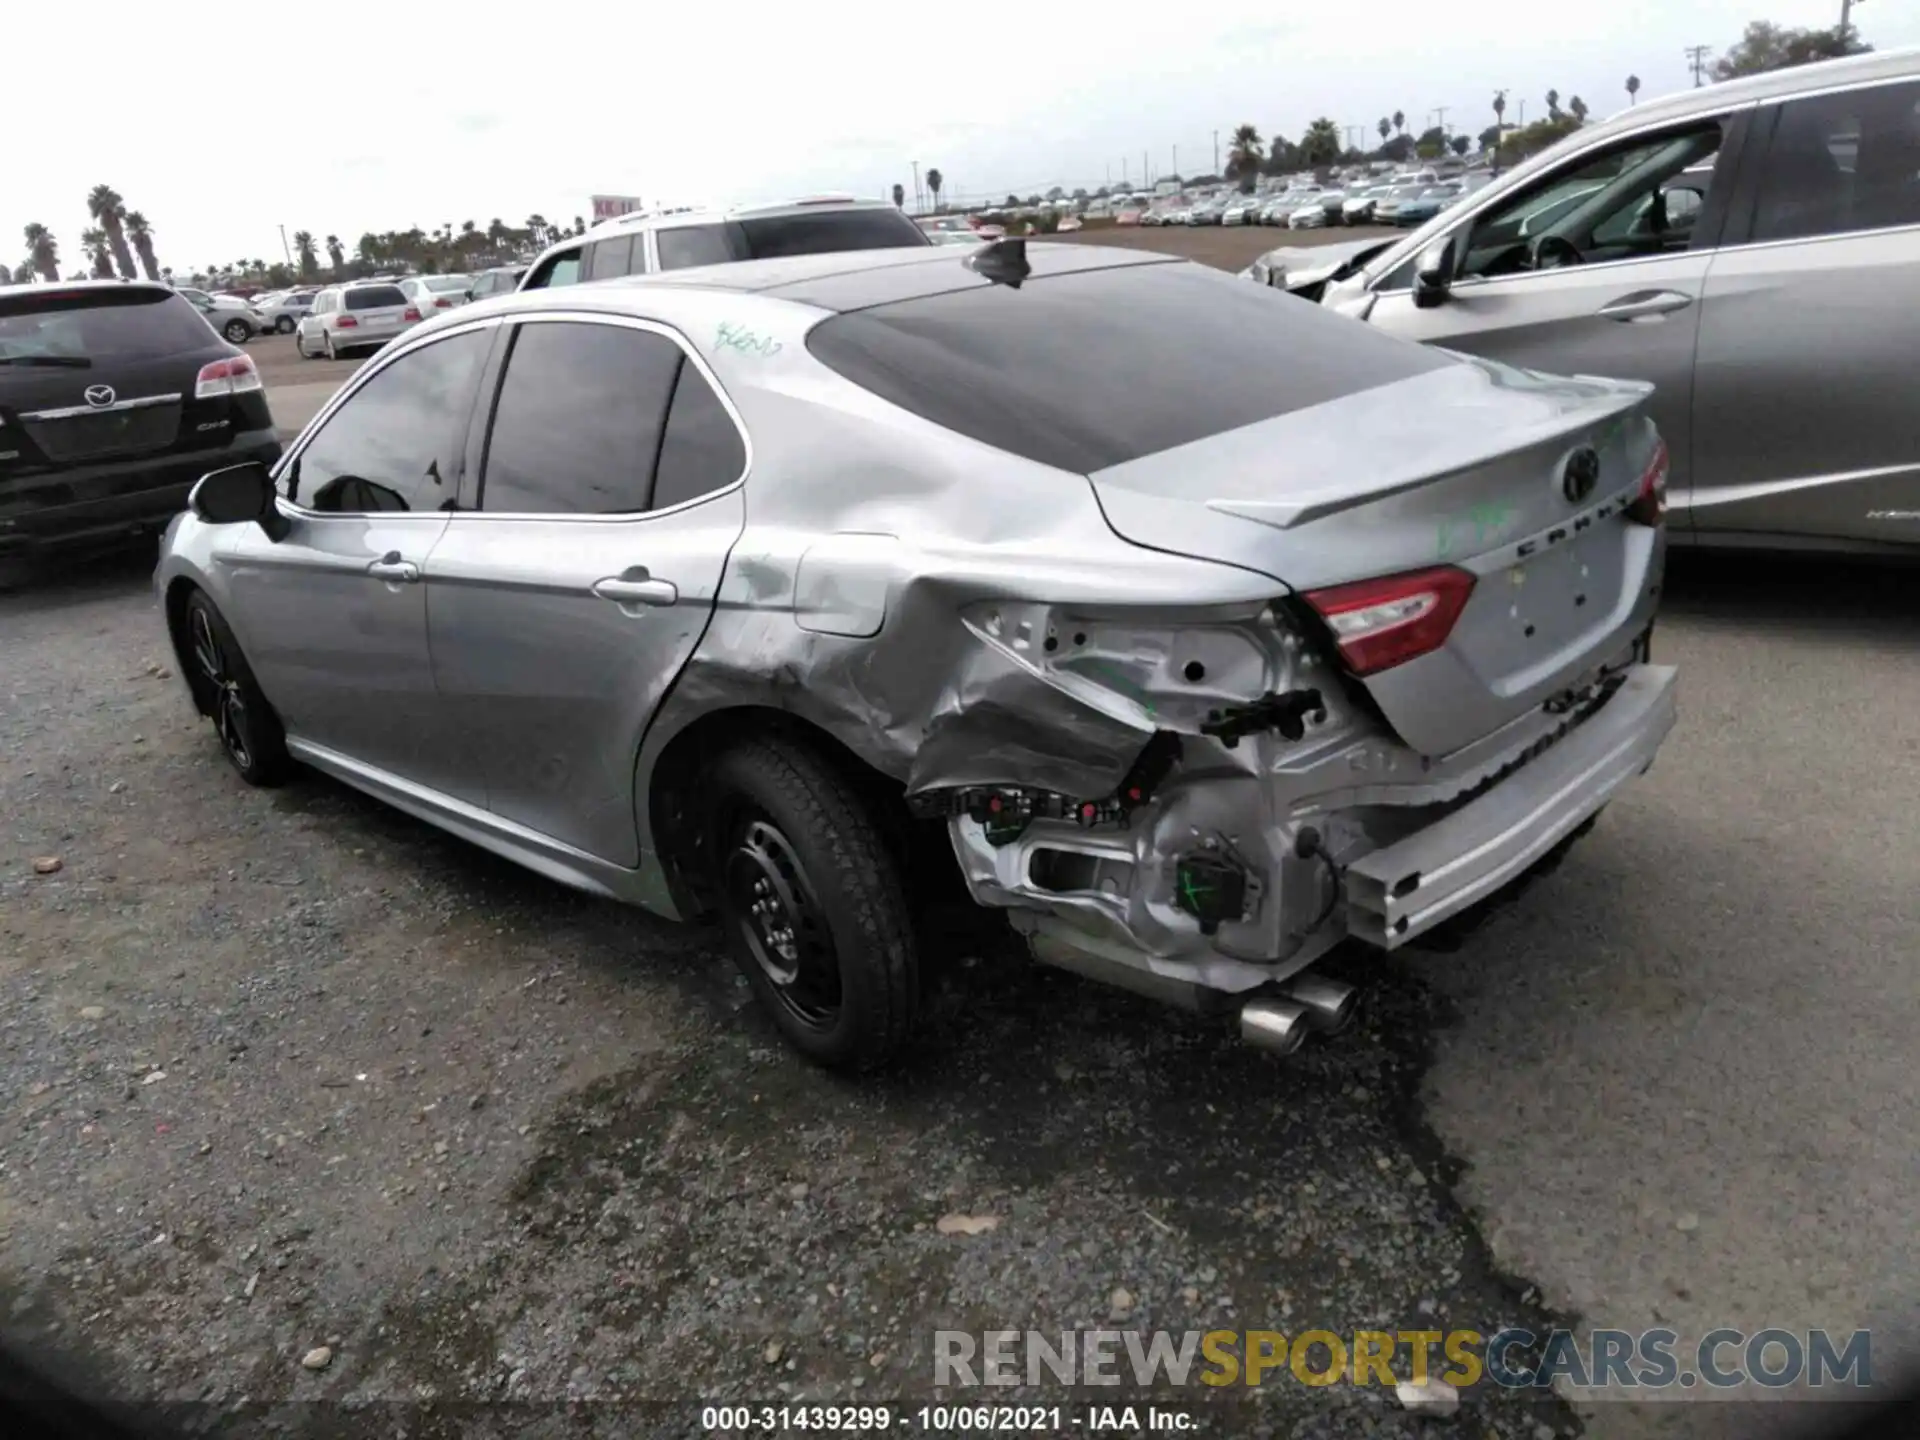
{"points": [[1450, 676]]}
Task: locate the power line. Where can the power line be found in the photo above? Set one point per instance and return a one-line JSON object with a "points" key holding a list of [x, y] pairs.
{"points": [[1697, 61]]}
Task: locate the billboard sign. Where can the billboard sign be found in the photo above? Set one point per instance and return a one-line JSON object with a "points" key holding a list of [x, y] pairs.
{"points": [[611, 207]]}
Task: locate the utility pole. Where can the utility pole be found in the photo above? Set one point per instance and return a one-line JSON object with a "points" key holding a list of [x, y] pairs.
{"points": [[1697, 59], [1441, 112], [1216, 152], [1146, 171], [1846, 15], [1176, 162], [284, 246], [918, 206]]}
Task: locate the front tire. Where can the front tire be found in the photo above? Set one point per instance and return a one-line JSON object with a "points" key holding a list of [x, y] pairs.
{"points": [[284, 325], [814, 905], [249, 731], [237, 332]]}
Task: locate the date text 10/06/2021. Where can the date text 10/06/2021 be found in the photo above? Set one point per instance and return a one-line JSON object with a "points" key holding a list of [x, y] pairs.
{"points": [[942, 1419]]}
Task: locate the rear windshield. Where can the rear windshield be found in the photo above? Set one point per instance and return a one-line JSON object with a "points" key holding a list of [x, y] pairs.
{"points": [[812, 232], [448, 282], [101, 326], [375, 297], [1092, 369]]}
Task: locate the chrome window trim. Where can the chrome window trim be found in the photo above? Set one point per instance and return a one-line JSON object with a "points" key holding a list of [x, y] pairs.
{"points": [[67, 412], [699, 362]]}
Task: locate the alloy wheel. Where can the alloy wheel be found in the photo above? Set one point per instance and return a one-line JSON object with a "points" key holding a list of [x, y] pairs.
{"points": [[232, 721], [778, 915]]}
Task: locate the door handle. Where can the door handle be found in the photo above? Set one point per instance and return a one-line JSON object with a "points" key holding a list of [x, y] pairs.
{"points": [[391, 567], [1644, 304], [625, 590]]}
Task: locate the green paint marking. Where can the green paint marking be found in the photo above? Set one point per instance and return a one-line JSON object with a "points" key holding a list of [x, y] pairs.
{"points": [[737, 337], [1119, 680], [1477, 527], [1192, 893]]}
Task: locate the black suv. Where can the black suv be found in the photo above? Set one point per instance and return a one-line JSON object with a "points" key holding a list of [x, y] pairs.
{"points": [[115, 397]]}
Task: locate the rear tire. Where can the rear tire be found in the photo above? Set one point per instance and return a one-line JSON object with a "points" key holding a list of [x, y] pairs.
{"points": [[249, 732], [813, 903], [284, 325], [237, 332], [329, 346]]}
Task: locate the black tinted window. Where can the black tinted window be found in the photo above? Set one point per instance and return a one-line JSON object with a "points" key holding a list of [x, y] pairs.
{"points": [[810, 232], [702, 450], [102, 326], [608, 258], [1842, 162], [375, 297], [1093, 369], [395, 442], [577, 426]]}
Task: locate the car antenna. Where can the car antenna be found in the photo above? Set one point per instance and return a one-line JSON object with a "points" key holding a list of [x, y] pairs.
{"points": [[1003, 261]]}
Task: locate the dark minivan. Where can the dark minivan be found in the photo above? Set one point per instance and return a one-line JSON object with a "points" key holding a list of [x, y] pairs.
{"points": [[115, 396]]}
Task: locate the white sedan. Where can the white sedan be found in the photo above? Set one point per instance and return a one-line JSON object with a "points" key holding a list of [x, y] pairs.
{"points": [[1308, 217], [436, 292]]}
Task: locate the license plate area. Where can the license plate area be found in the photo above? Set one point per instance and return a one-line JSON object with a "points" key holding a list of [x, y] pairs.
{"points": [[1564, 590]]}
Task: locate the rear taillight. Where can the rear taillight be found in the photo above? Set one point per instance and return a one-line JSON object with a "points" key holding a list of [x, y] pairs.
{"points": [[1649, 504], [1386, 622], [411, 313], [226, 377], [346, 322], [443, 304]]}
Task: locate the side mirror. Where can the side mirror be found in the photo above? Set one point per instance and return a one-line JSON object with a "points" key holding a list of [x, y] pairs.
{"points": [[1433, 274], [236, 495]]}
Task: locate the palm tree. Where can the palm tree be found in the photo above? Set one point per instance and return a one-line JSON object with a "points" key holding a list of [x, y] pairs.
{"points": [[1386, 128], [99, 250], [1321, 144], [1633, 87], [305, 256], [1244, 154], [106, 206], [140, 232], [337, 257], [1577, 108], [1399, 122], [934, 181], [44, 252], [579, 226], [899, 196], [1553, 104], [23, 273], [537, 228]]}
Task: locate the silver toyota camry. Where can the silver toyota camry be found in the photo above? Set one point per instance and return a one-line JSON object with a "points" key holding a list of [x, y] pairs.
{"points": [[1203, 629]]}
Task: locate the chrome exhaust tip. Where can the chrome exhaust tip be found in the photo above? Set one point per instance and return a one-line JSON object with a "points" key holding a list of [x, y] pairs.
{"points": [[1328, 1003], [1277, 1026]]}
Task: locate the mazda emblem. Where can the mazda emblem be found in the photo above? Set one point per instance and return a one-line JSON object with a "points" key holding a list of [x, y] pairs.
{"points": [[1582, 475], [99, 396]]}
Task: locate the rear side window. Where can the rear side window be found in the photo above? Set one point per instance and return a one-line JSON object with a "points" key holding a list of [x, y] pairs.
{"points": [[577, 426], [810, 232], [375, 297], [1843, 162], [1087, 370], [99, 327], [702, 450], [395, 442], [608, 258]]}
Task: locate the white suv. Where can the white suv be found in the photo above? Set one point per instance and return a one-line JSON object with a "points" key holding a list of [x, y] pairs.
{"points": [[652, 240]]}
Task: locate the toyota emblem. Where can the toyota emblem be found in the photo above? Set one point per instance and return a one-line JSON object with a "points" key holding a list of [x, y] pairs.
{"points": [[99, 396], [1581, 476]]}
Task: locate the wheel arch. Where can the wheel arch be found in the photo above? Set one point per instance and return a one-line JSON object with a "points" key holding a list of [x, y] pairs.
{"points": [[674, 783], [179, 591]]}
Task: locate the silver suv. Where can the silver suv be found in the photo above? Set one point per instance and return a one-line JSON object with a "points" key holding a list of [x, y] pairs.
{"points": [[1752, 248], [653, 240]]}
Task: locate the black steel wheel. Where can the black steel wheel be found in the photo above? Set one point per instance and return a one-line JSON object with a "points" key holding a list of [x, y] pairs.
{"points": [[226, 692], [813, 903]]}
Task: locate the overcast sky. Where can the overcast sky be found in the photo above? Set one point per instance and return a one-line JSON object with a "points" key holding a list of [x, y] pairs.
{"points": [[342, 118]]}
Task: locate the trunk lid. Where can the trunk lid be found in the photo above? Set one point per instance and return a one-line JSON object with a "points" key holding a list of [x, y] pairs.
{"points": [[1462, 466]]}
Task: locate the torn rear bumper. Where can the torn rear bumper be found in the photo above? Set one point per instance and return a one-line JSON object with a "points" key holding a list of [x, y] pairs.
{"points": [[1399, 892]]}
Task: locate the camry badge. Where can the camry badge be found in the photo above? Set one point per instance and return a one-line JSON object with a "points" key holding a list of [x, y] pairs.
{"points": [[1581, 476], [99, 396]]}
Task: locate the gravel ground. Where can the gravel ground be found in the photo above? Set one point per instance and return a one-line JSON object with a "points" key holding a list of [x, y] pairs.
{"points": [[288, 1070]]}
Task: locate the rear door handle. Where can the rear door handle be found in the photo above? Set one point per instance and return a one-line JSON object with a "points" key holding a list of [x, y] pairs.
{"points": [[627, 591], [1644, 304], [391, 567]]}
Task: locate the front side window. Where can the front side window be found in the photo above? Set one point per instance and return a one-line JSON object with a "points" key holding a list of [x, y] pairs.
{"points": [[578, 423], [559, 270], [394, 444], [1844, 162]]}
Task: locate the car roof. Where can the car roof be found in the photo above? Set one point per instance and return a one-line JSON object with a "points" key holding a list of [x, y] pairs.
{"points": [[68, 287], [1774, 84], [842, 280]]}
